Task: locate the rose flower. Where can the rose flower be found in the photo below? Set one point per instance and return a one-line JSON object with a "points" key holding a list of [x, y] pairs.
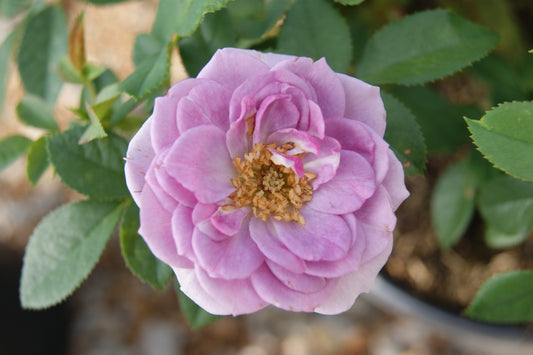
{"points": [[266, 180]]}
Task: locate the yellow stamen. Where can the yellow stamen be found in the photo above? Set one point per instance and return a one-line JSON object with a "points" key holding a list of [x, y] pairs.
{"points": [[271, 190]]}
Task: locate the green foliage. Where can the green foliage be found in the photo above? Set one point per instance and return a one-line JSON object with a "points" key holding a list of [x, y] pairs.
{"points": [[196, 316], [404, 135], [505, 136], [215, 32], [63, 249], [505, 298], [423, 47], [34, 111], [151, 74], [37, 160], [441, 122], [452, 203], [43, 45], [5, 53], [506, 205], [11, 148], [182, 17], [102, 2], [95, 169], [138, 257], [314, 28]]}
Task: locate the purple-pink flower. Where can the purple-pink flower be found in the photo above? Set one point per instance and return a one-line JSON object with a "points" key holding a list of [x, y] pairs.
{"points": [[266, 180]]}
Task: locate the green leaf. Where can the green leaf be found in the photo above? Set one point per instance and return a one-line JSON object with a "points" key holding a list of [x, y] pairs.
{"points": [[145, 46], [63, 250], [94, 130], [103, 2], [314, 28], [43, 45], [441, 123], [196, 316], [252, 20], [499, 240], [137, 255], [34, 111], [404, 135], [349, 2], [423, 47], [95, 169], [214, 32], [505, 137], [9, 8], [11, 148], [182, 17], [505, 298], [148, 76], [67, 72], [452, 203], [506, 205], [37, 160]]}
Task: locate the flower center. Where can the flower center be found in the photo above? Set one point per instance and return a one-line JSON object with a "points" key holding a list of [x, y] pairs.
{"points": [[268, 188]]}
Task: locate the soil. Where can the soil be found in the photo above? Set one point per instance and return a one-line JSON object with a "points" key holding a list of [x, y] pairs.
{"points": [[448, 278]]}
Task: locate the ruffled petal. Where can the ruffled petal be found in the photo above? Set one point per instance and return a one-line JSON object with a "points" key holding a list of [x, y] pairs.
{"points": [[165, 126], [363, 103], [231, 67], [303, 141], [236, 257], [182, 228], [226, 291], [200, 162], [323, 237], [394, 181], [330, 95], [156, 230], [301, 282], [274, 291], [138, 159], [349, 287], [353, 183], [266, 239], [324, 164], [275, 112], [229, 222], [206, 104], [377, 212]]}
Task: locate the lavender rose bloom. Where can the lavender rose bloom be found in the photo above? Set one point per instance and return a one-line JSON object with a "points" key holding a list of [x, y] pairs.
{"points": [[266, 180]]}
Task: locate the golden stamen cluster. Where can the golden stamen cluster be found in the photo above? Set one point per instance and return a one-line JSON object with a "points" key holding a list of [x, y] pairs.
{"points": [[270, 189]]}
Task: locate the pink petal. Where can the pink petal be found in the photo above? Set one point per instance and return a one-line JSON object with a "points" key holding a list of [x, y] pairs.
{"points": [[275, 112], [316, 120], [266, 239], [324, 165], [300, 282], [352, 185], [138, 159], [236, 257], [200, 162], [235, 296], [165, 126], [272, 59], [182, 229], [331, 97], [206, 104], [218, 296], [394, 181], [352, 285], [156, 230], [303, 141], [174, 188], [238, 137], [323, 237], [295, 163], [273, 291], [377, 212], [363, 103], [352, 261], [203, 211], [229, 222], [231, 67], [358, 137], [167, 201]]}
